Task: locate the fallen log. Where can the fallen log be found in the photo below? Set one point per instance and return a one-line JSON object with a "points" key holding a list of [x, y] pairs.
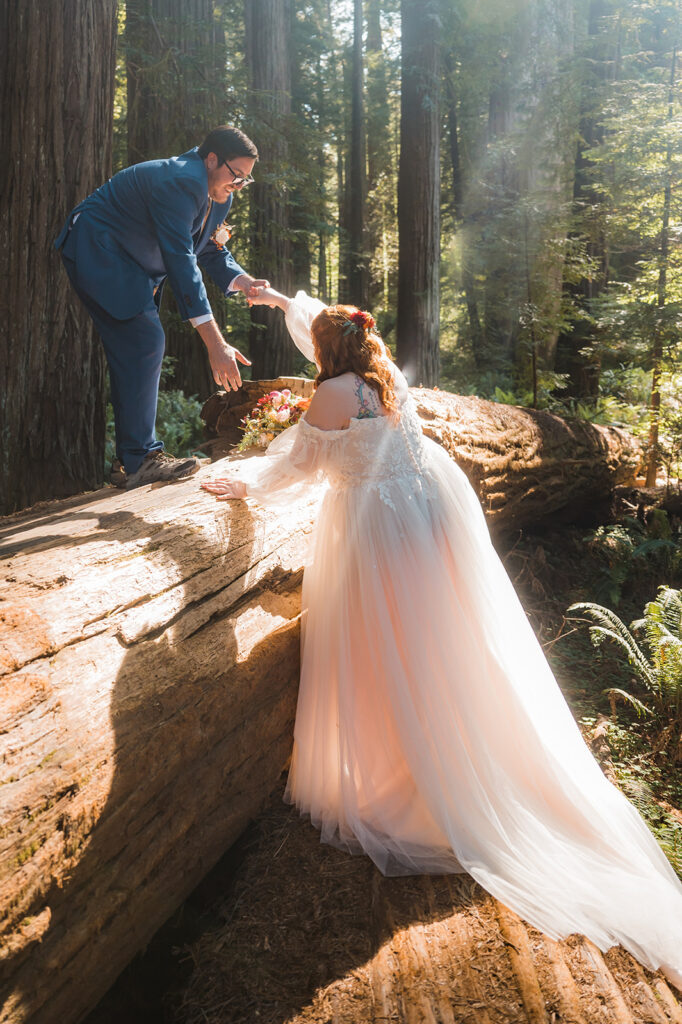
{"points": [[148, 679], [525, 464]]}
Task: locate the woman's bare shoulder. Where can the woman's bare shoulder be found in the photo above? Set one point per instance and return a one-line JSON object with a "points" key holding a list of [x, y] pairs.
{"points": [[331, 407]]}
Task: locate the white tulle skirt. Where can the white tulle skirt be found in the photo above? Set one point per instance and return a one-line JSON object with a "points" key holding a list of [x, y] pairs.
{"points": [[431, 733]]}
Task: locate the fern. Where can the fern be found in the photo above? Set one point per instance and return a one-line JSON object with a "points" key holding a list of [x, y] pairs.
{"points": [[660, 674]]}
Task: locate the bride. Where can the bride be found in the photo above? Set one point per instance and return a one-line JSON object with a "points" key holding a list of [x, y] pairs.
{"points": [[430, 732]]}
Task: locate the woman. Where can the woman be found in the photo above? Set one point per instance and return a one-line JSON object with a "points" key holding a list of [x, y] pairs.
{"points": [[430, 732]]}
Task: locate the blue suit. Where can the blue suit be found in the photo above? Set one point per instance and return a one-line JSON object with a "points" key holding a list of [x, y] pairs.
{"points": [[119, 246]]}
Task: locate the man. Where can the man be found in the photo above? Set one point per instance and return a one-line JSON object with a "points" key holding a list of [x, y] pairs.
{"points": [[154, 221]]}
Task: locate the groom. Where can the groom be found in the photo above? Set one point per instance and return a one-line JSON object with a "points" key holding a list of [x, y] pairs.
{"points": [[153, 222]]}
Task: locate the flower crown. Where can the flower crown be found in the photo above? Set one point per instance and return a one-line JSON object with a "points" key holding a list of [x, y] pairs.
{"points": [[359, 321]]}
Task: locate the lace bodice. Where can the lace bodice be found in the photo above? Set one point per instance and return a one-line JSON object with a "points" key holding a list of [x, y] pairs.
{"points": [[370, 451]]}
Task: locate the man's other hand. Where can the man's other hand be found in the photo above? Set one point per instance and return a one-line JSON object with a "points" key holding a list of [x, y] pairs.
{"points": [[222, 357]]}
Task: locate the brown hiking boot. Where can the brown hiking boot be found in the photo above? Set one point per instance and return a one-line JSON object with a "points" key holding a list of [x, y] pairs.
{"points": [[117, 476], [161, 466]]}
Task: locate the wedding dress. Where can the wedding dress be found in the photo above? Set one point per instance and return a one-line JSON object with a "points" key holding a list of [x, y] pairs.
{"points": [[430, 732]]}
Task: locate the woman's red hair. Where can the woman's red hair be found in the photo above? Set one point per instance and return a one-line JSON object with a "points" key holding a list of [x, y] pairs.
{"points": [[345, 341]]}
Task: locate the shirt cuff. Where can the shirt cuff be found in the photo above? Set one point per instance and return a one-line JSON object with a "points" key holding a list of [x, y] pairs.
{"points": [[196, 320]]}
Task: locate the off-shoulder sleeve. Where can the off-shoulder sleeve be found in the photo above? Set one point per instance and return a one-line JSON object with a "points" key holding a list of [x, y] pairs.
{"points": [[294, 461], [300, 314]]}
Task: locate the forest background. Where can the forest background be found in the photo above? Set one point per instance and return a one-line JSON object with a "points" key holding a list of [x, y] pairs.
{"points": [[497, 180]]}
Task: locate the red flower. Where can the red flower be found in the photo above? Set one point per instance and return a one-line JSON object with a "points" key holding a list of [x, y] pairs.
{"points": [[364, 320]]}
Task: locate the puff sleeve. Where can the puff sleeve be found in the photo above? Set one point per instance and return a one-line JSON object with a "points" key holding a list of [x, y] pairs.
{"points": [[295, 461], [300, 314]]}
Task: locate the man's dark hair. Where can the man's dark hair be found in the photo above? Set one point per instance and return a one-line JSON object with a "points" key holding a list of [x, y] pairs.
{"points": [[226, 143]]}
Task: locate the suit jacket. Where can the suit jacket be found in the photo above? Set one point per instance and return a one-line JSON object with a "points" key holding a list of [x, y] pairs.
{"points": [[143, 226]]}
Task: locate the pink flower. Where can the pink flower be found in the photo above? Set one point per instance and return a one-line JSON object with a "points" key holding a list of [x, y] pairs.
{"points": [[282, 415]]}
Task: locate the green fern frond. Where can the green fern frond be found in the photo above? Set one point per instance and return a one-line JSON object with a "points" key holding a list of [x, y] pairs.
{"points": [[615, 693], [609, 625]]}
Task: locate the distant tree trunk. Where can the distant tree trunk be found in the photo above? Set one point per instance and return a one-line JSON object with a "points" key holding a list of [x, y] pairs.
{"points": [[661, 298], [343, 157], [503, 291], [576, 353], [475, 329], [379, 156], [175, 59], [322, 259], [419, 194], [358, 277], [268, 30], [302, 193], [57, 81]]}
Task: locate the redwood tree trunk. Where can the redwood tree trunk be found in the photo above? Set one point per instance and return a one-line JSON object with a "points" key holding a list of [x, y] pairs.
{"points": [[358, 276], [419, 194], [268, 32], [576, 355], [468, 281], [57, 83], [380, 169], [175, 60]]}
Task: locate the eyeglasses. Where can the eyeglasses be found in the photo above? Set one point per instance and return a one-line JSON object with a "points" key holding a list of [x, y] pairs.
{"points": [[238, 180]]}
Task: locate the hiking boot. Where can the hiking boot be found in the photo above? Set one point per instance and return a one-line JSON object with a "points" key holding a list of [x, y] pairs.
{"points": [[161, 466], [117, 476]]}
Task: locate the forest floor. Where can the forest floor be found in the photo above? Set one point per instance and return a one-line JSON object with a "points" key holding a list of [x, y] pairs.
{"points": [[287, 931]]}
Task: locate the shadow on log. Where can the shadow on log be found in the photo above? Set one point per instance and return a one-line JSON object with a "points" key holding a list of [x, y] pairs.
{"points": [[148, 672]]}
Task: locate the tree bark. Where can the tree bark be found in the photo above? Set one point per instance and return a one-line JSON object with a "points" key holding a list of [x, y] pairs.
{"points": [[268, 33], [419, 194], [175, 61], [58, 62]]}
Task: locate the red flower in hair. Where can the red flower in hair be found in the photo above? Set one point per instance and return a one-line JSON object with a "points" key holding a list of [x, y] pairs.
{"points": [[364, 320]]}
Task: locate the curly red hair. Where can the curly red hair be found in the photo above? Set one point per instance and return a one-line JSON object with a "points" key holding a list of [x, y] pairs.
{"points": [[345, 341]]}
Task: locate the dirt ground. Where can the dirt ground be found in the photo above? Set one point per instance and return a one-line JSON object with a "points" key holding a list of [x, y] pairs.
{"points": [[311, 935]]}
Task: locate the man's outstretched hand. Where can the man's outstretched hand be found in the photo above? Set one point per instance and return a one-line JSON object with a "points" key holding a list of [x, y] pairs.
{"points": [[268, 297], [251, 286], [222, 357]]}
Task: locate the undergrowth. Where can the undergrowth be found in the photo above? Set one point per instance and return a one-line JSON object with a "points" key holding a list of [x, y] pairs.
{"points": [[555, 569]]}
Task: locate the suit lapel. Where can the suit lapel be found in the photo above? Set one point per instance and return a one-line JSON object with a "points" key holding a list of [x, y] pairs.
{"points": [[199, 235], [215, 213]]}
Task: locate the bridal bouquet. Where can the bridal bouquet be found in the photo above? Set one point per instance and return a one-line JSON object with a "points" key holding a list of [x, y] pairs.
{"points": [[272, 414]]}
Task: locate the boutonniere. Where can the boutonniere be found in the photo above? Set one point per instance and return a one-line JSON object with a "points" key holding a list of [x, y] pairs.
{"points": [[222, 234]]}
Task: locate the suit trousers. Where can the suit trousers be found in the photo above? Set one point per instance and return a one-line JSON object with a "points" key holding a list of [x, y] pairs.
{"points": [[134, 352]]}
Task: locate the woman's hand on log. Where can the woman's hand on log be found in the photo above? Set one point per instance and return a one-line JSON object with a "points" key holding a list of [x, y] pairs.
{"points": [[225, 489]]}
